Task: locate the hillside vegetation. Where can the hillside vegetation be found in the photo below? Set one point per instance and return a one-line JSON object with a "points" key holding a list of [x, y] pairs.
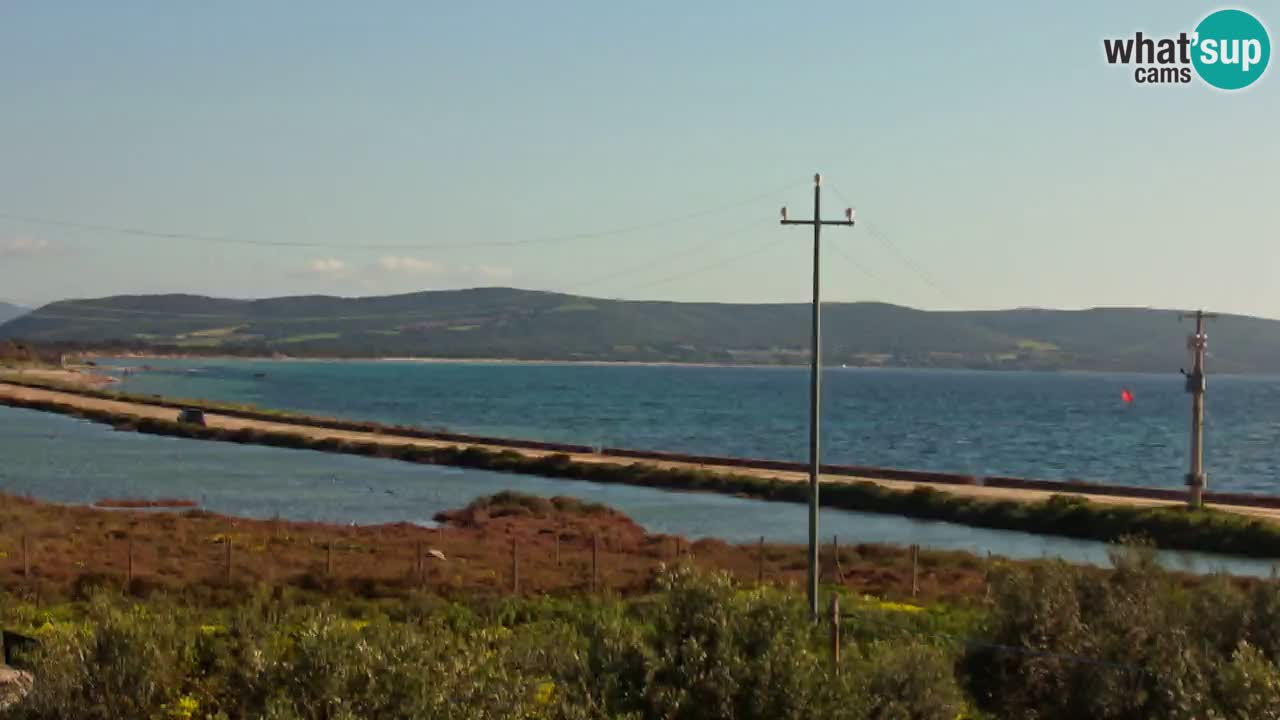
{"points": [[510, 323], [18, 355]]}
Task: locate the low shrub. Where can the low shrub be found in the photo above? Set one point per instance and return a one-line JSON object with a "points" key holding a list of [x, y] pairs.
{"points": [[1067, 642], [701, 648]]}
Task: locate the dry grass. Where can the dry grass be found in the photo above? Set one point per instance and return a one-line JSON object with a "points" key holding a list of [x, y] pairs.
{"points": [[71, 548]]}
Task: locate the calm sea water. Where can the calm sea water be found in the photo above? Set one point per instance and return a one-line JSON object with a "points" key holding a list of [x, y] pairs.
{"points": [[1040, 425], [62, 459]]}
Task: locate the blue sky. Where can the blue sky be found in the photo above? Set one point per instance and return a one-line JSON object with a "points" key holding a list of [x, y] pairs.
{"points": [[994, 159]]}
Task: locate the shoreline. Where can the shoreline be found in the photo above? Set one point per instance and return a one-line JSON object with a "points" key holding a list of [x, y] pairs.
{"points": [[1059, 510], [420, 360]]}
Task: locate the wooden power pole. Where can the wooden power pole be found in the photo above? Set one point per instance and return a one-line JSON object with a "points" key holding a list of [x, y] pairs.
{"points": [[1197, 343], [815, 379]]}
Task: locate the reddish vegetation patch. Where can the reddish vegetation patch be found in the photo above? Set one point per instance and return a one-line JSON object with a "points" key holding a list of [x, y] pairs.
{"points": [[525, 517], [138, 503], [68, 549]]}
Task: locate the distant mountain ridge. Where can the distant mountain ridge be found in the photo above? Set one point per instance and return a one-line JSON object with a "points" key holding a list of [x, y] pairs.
{"points": [[536, 325], [9, 311]]}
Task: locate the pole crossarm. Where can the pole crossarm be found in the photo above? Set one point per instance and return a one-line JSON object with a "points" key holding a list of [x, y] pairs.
{"points": [[846, 223]]}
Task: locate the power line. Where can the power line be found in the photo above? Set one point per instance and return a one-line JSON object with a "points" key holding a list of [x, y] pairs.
{"points": [[223, 239], [251, 320], [863, 269], [655, 262], [755, 250], [924, 275], [66, 310], [160, 315]]}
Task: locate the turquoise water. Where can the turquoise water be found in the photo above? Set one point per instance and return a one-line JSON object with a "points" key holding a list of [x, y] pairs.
{"points": [[1041, 425], [63, 459]]}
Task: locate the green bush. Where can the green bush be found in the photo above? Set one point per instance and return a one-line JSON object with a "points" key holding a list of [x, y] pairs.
{"points": [[701, 648], [1069, 642], [126, 662], [1057, 642], [712, 650], [909, 681]]}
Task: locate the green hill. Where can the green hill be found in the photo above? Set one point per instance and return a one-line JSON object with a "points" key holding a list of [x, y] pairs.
{"points": [[509, 323]]}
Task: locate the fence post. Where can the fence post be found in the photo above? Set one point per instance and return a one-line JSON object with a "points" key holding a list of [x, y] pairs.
{"points": [[835, 559], [677, 547], [26, 558], [515, 568], [228, 559], [986, 578], [328, 558], [915, 570], [760, 562], [420, 568], [129, 569], [269, 564], [835, 629], [595, 551], [557, 548]]}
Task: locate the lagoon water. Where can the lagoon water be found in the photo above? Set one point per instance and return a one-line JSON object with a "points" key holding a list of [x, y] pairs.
{"points": [[63, 459], [1040, 425]]}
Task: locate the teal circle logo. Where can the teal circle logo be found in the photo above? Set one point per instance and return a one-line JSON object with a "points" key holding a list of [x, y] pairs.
{"points": [[1232, 49]]}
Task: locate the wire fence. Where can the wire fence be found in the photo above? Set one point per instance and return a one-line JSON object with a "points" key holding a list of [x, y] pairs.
{"points": [[570, 562], [164, 552]]}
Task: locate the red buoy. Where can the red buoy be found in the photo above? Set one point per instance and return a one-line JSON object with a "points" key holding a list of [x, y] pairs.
{"points": [[1126, 396]]}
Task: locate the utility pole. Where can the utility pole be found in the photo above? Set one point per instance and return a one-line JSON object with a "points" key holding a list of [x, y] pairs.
{"points": [[1196, 386], [815, 381]]}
